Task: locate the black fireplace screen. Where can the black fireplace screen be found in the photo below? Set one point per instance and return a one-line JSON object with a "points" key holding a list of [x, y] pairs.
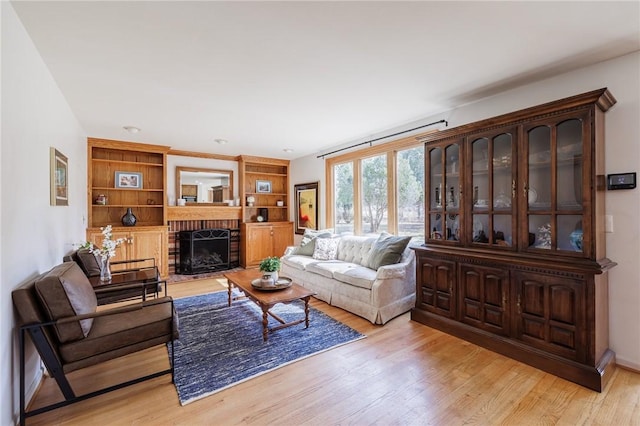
{"points": [[205, 250]]}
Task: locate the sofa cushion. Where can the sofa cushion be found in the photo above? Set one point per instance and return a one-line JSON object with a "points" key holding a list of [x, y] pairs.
{"points": [[65, 291], [359, 276], [387, 250], [298, 262], [355, 249], [113, 332], [88, 262], [308, 243], [329, 267], [326, 249]]}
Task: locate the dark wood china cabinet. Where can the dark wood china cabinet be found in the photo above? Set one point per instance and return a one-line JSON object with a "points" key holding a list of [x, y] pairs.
{"points": [[515, 259]]}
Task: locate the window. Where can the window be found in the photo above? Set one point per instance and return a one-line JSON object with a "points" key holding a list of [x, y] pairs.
{"points": [[378, 189], [374, 198], [343, 198], [410, 192]]}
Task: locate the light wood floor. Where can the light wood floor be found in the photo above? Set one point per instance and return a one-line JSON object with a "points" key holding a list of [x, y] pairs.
{"points": [[403, 373]]}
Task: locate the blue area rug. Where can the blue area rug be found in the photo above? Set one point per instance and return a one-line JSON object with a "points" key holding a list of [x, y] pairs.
{"points": [[222, 346]]}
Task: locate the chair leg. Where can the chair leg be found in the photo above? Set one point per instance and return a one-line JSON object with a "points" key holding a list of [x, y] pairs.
{"points": [[22, 379], [173, 363]]}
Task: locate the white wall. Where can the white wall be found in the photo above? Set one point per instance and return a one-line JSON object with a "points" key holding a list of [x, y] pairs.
{"points": [[174, 161], [622, 133], [34, 235]]}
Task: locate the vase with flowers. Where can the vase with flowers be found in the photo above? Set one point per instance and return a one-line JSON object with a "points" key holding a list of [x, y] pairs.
{"points": [[105, 252]]}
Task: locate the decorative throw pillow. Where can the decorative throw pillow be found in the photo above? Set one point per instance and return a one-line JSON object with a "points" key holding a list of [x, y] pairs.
{"points": [[88, 262], [387, 250], [308, 243], [64, 292], [326, 249]]}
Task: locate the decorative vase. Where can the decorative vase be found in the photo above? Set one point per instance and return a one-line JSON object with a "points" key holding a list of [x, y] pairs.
{"points": [[129, 218], [267, 281], [105, 268], [273, 275]]}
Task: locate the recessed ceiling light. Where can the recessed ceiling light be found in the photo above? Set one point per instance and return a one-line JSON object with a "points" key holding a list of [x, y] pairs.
{"points": [[131, 129], [287, 150], [221, 141]]}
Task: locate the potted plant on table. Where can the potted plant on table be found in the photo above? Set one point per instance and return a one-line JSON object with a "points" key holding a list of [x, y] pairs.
{"points": [[270, 267]]}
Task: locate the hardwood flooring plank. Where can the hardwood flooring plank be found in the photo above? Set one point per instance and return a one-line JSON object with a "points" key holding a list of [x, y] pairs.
{"points": [[403, 373]]}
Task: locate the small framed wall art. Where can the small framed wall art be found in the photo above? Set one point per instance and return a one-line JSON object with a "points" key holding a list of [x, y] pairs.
{"points": [[306, 206], [130, 180], [59, 179], [263, 186]]}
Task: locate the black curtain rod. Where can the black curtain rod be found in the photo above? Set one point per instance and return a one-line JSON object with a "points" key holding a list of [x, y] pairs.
{"points": [[383, 137]]}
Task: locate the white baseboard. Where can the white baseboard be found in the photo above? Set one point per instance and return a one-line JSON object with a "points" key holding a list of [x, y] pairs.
{"points": [[629, 365]]}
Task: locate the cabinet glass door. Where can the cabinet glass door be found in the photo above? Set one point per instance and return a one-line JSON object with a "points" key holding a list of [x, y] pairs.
{"points": [[554, 186], [444, 183], [493, 189]]}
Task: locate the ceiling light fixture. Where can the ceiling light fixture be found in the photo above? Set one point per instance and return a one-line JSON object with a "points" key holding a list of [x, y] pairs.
{"points": [[221, 141], [287, 150], [131, 129]]}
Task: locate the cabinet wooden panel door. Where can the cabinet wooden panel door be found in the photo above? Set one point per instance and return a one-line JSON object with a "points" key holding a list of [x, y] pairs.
{"points": [[263, 240], [258, 244], [435, 281], [142, 243], [149, 244], [483, 298], [551, 314], [282, 237]]}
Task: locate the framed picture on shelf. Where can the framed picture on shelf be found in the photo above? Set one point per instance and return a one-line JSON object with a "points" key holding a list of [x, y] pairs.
{"points": [[263, 186], [131, 180], [306, 196], [59, 175]]}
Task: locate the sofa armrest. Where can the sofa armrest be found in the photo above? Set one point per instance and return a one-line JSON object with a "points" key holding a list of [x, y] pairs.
{"points": [[289, 250], [397, 270]]}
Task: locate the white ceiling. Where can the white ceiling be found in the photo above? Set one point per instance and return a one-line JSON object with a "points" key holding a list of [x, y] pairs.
{"points": [[304, 75]]}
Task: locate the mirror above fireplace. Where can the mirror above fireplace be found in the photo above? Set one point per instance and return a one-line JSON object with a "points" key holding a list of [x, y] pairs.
{"points": [[204, 186]]}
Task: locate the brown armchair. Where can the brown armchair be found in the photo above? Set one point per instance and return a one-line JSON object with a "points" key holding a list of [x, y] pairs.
{"points": [[126, 277], [58, 312]]}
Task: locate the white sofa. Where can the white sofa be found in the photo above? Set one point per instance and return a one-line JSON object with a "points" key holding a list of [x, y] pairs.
{"points": [[377, 295]]}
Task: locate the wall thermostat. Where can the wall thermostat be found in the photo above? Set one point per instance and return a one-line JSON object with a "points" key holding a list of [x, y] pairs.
{"points": [[621, 181]]}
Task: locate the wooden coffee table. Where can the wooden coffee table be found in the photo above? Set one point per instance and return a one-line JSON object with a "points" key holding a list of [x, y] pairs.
{"points": [[268, 299]]}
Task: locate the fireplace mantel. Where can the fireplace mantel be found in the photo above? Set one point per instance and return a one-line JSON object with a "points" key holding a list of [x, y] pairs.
{"points": [[203, 213]]}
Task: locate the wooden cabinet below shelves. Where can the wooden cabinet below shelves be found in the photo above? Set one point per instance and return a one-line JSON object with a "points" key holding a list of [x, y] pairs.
{"points": [[260, 240], [543, 315], [139, 243]]}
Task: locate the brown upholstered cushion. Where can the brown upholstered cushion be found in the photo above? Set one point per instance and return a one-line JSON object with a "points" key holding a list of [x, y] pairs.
{"points": [[88, 262], [113, 334], [65, 291]]}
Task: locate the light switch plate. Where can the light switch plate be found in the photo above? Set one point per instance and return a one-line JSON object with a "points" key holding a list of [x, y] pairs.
{"points": [[608, 223]]}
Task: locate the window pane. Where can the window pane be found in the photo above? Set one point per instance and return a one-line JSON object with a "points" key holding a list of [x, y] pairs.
{"points": [[410, 184], [343, 194], [374, 194]]}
